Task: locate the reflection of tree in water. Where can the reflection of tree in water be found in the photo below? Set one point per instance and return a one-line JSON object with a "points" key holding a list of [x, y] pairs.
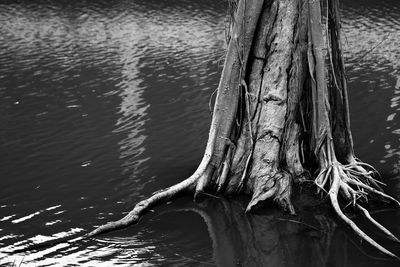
{"points": [[160, 68], [269, 239]]}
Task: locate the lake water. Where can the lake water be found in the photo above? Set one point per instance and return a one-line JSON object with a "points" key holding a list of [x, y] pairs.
{"points": [[103, 102]]}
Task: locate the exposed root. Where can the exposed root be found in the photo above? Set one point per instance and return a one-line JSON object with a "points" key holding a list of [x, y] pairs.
{"points": [[144, 205], [349, 184], [354, 181], [373, 190], [203, 181], [359, 168], [225, 109], [377, 224], [262, 170]]}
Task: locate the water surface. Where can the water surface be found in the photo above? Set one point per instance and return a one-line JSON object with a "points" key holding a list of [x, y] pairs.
{"points": [[103, 102]]}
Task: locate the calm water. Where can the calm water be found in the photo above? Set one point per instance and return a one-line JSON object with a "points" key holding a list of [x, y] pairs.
{"points": [[103, 102]]}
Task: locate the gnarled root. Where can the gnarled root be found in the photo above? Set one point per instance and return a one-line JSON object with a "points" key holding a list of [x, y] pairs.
{"points": [[352, 185], [352, 181], [365, 171]]}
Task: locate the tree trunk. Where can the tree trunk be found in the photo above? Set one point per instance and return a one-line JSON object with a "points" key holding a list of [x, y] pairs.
{"points": [[281, 115]]}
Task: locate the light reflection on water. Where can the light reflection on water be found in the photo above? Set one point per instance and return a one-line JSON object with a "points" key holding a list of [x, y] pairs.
{"points": [[104, 102]]}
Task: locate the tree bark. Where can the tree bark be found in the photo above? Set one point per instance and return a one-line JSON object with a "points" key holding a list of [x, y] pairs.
{"points": [[281, 115]]}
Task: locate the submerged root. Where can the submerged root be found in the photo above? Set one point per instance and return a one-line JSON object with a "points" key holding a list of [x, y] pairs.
{"points": [[351, 183]]}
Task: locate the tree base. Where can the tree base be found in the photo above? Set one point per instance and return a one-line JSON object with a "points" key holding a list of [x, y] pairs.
{"points": [[350, 181], [281, 110]]}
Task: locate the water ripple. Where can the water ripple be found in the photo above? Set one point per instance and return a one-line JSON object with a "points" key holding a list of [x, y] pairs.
{"points": [[103, 102]]}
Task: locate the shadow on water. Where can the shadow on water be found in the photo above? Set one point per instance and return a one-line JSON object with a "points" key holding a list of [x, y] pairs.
{"points": [[103, 102]]}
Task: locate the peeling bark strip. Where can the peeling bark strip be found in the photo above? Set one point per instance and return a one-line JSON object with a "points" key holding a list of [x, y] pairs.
{"points": [[281, 111]]}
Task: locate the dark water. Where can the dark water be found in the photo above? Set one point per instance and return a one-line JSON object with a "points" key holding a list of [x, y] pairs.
{"points": [[104, 102]]}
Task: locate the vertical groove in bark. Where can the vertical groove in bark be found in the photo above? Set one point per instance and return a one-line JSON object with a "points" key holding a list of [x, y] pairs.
{"points": [[257, 61], [290, 150]]}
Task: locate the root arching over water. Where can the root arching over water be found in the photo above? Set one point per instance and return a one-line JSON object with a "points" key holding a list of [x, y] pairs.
{"points": [[143, 206], [223, 120], [274, 69]]}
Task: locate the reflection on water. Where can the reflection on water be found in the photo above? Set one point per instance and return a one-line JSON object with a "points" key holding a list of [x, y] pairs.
{"points": [[268, 239], [103, 102]]}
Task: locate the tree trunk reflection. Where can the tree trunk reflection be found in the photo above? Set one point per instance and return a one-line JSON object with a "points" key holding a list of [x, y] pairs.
{"points": [[269, 239]]}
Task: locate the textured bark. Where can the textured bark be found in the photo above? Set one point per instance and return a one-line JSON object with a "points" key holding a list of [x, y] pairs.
{"points": [[281, 115]]}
